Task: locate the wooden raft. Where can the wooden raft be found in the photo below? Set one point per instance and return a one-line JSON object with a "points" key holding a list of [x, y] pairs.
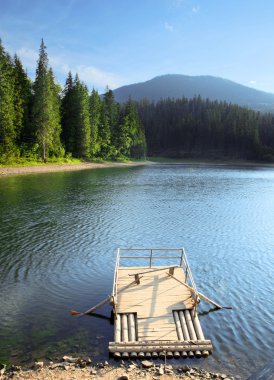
{"points": [[154, 314]]}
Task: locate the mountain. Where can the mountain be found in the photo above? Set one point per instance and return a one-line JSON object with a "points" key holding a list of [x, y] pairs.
{"points": [[213, 88]]}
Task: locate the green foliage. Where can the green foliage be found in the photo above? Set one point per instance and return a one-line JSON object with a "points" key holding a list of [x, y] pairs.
{"points": [[95, 107], [46, 108], [22, 96], [197, 128], [35, 121], [7, 109]]}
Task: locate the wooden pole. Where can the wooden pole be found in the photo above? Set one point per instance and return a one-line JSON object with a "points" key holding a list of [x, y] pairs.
{"points": [[185, 329], [160, 343], [117, 328], [92, 309], [191, 354], [184, 326], [141, 354], [131, 328], [178, 326], [176, 354], [125, 355], [124, 328], [200, 294], [197, 326], [160, 349], [192, 332], [190, 325]]}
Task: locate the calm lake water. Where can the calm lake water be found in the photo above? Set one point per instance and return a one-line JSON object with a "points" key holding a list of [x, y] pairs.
{"points": [[58, 238]]}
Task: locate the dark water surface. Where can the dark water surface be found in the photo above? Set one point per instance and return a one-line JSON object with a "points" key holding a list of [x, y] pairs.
{"points": [[58, 237]]}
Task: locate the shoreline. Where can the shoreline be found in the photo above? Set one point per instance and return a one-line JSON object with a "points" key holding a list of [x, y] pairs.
{"points": [[78, 369], [54, 168]]}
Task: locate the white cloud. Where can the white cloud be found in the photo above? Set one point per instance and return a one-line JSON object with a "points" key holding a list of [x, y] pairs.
{"points": [[252, 81], [91, 75], [168, 27], [98, 78], [196, 9]]}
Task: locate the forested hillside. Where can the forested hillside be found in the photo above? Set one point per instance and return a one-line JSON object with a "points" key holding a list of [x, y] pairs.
{"points": [[205, 129], [208, 87], [41, 121]]}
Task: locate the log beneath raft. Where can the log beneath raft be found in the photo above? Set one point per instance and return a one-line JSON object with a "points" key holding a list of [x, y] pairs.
{"points": [[156, 348], [162, 343]]}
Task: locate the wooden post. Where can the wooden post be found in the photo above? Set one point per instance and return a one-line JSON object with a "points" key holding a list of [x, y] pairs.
{"points": [[171, 271], [137, 279], [117, 328]]}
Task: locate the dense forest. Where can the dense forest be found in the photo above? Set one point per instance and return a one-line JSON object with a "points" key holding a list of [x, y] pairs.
{"points": [[40, 120], [197, 128]]}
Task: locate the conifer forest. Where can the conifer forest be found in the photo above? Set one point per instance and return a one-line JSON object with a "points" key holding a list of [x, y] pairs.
{"points": [[40, 120]]}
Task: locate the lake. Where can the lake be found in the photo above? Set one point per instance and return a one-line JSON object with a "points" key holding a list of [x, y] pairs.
{"points": [[58, 238]]}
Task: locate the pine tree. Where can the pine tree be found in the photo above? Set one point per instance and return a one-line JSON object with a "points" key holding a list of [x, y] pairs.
{"points": [[56, 148], [95, 106], [45, 107], [7, 112], [68, 115], [82, 120], [109, 123], [22, 95]]}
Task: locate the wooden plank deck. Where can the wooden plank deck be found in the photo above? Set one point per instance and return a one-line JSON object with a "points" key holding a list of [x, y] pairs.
{"points": [[154, 300]]}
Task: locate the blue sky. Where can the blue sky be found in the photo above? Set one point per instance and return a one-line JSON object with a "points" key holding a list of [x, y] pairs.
{"points": [[118, 42]]}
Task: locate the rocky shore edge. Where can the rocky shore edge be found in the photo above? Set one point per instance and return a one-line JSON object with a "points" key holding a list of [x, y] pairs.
{"points": [[83, 368]]}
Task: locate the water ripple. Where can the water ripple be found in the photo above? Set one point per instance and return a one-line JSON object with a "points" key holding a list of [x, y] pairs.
{"points": [[59, 232]]}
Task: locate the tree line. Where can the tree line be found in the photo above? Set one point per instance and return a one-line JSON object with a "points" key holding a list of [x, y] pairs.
{"points": [[198, 128], [42, 120]]}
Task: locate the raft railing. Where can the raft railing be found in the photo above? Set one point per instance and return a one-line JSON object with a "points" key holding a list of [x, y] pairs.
{"points": [[183, 263]]}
